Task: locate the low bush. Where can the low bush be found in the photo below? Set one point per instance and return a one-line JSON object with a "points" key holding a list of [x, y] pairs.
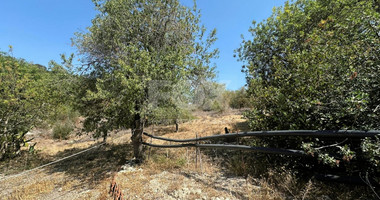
{"points": [[239, 99], [62, 130]]}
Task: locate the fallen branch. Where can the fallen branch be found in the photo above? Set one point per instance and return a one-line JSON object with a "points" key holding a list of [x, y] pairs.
{"points": [[331, 145]]}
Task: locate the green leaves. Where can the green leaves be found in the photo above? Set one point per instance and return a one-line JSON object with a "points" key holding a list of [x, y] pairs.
{"points": [[21, 102], [315, 64], [371, 149], [316, 51], [132, 44]]}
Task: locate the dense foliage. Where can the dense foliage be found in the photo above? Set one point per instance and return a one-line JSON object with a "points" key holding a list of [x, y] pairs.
{"points": [[21, 102], [63, 90], [314, 64], [131, 47], [239, 98], [33, 96], [210, 96]]}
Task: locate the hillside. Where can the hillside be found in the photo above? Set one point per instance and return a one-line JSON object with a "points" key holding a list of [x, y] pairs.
{"points": [[167, 174]]}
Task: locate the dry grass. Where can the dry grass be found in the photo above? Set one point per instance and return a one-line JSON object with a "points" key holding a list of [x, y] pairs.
{"points": [[76, 177], [32, 191], [51, 146], [34, 186], [166, 174], [204, 125]]}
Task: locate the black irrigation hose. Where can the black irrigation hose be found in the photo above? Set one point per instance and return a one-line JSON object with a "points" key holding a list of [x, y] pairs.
{"points": [[302, 133], [235, 147]]}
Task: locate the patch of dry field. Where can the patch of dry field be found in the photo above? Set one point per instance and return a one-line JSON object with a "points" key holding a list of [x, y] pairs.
{"points": [[167, 174], [205, 124]]}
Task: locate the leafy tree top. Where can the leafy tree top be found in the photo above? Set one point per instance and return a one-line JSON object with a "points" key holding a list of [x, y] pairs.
{"points": [[132, 45]]}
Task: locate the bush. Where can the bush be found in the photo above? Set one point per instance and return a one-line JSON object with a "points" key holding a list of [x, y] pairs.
{"points": [[62, 130], [169, 115], [63, 120], [314, 65], [22, 102], [211, 96], [239, 99], [61, 113]]}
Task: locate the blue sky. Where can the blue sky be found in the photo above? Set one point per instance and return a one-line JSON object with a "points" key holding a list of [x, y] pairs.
{"points": [[40, 30]]}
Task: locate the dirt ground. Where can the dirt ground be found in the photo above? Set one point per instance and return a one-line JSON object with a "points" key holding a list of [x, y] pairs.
{"points": [[166, 174]]}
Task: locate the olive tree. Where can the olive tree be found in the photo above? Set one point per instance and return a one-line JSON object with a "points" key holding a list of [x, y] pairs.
{"points": [[130, 45]]}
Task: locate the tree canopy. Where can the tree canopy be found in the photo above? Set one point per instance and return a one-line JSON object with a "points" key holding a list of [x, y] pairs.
{"points": [[31, 95], [22, 104], [131, 46], [314, 64]]}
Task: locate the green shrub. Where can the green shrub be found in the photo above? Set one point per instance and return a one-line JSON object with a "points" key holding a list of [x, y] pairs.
{"points": [[62, 130], [63, 120], [22, 102], [169, 115], [314, 65], [62, 113], [211, 96], [239, 99]]}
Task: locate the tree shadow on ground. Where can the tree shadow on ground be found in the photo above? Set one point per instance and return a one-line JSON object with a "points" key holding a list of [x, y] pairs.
{"points": [[94, 165], [24, 161]]}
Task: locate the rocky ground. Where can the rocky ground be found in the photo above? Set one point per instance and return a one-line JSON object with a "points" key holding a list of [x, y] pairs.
{"points": [[182, 184]]}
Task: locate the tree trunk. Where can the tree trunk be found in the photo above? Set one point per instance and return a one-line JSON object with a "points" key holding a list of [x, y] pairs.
{"points": [[176, 126], [137, 132], [3, 149], [104, 137]]}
